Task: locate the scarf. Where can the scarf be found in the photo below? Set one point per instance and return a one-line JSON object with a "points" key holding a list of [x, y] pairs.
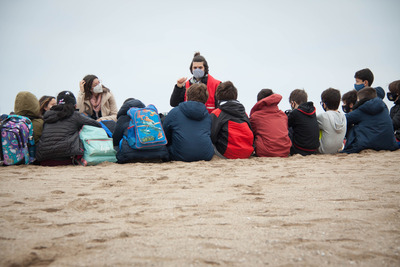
{"points": [[95, 101]]}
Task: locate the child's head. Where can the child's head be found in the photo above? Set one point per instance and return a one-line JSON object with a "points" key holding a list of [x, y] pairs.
{"points": [[366, 93], [364, 78], [297, 97], [197, 92], [264, 93], [226, 91], [394, 90], [66, 97], [349, 99], [330, 99]]}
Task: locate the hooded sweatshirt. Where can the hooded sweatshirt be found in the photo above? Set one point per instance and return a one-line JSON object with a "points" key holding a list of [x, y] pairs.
{"points": [[270, 128], [188, 129], [26, 104], [332, 125], [231, 130], [60, 138], [303, 121], [373, 128]]}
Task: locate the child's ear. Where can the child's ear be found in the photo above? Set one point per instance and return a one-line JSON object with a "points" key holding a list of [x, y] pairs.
{"points": [[365, 83]]}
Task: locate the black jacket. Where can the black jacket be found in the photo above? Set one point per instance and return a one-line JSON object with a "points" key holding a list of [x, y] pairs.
{"points": [[305, 129], [395, 115], [123, 119], [231, 130], [60, 138]]}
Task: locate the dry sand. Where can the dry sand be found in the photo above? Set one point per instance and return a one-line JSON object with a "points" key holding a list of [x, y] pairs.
{"points": [[339, 210]]}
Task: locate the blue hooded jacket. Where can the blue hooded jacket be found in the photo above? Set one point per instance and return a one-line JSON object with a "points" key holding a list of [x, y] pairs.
{"points": [[188, 130], [373, 128]]}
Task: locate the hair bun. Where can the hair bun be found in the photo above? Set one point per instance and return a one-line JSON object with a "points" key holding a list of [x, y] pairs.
{"points": [[196, 54]]}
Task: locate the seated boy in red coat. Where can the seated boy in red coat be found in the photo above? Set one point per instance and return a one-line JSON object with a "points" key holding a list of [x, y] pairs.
{"points": [[270, 126], [231, 132]]}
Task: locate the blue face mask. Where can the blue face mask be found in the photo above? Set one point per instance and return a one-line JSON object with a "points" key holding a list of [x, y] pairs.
{"points": [[358, 87], [198, 73]]}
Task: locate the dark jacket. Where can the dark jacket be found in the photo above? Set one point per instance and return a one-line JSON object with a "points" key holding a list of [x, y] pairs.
{"points": [[270, 127], [305, 129], [26, 104], [125, 153], [123, 119], [373, 128], [188, 128], [395, 115], [231, 130], [60, 138]]}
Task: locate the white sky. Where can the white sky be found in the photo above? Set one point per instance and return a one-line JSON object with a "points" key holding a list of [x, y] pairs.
{"points": [[140, 48]]}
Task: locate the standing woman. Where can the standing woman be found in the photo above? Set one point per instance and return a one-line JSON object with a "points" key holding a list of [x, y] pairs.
{"points": [[96, 100]]}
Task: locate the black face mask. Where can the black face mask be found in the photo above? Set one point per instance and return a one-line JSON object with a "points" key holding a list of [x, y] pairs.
{"points": [[391, 96], [346, 108]]}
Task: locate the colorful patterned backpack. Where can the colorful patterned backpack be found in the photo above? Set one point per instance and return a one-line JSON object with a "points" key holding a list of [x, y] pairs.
{"points": [[145, 130], [17, 143]]}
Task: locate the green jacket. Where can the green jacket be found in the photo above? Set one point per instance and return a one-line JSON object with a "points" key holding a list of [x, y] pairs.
{"points": [[26, 104]]}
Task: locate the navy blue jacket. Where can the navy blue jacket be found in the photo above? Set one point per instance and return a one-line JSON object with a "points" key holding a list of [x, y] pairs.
{"points": [[124, 152], [373, 128], [188, 130]]}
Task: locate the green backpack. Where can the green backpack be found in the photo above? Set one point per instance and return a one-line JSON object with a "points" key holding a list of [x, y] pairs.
{"points": [[97, 145]]}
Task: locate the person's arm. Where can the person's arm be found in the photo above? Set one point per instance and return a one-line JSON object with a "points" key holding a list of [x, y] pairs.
{"points": [[85, 120], [80, 103], [113, 109], [320, 120], [215, 128], [178, 96], [353, 117], [121, 125]]}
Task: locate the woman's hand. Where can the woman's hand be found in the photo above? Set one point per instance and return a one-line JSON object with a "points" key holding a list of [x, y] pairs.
{"points": [[81, 86]]}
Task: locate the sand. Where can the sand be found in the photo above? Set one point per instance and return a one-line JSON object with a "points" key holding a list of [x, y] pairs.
{"points": [[338, 210]]}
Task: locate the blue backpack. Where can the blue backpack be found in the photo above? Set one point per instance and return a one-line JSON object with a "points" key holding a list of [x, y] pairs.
{"points": [[17, 143], [145, 130]]}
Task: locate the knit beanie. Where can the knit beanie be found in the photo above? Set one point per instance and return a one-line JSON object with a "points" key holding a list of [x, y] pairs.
{"points": [[66, 97]]}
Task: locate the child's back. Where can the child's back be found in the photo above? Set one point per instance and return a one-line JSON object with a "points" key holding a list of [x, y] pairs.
{"points": [[333, 129], [373, 128], [188, 129], [270, 127]]}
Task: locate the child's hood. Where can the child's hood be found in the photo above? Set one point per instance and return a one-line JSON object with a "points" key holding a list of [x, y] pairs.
{"points": [[373, 106], [266, 103], [26, 104], [234, 108], [337, 120], [194, 110], [307, 109], [129, 104]]}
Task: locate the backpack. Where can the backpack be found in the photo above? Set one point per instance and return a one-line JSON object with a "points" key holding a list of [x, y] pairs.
{"points": [[145, 130], [98, 147], [17, 143]]}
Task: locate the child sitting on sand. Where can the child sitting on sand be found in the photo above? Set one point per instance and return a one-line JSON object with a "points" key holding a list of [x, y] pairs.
{"points": [[349, 99], [373, 127], [188, 127], [231, 131], [332, 123], [270, 126], [60, 141], [303, 125]]}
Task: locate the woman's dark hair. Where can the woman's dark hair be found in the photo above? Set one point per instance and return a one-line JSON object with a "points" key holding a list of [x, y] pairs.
{"points": [[44, 102], [66, 102], [198, 58], [88, 85]]}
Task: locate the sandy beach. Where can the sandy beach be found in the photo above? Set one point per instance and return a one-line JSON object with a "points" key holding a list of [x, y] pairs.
{"points": [[338, 210]]}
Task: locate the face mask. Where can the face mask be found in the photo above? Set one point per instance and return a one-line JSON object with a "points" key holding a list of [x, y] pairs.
{"points": [[358, 87], [98, 89], [391, 97], [322, 104], [345, 108], [198, 73]]}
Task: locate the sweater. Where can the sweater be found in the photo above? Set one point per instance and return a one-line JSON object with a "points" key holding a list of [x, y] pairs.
{"points": [[332, 125]]}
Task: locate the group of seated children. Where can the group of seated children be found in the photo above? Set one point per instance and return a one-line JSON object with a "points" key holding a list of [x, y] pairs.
{"points": [[193, 134]]}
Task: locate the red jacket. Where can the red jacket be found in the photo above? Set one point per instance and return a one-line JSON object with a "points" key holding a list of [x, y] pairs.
{"points": [[270, 128], [212, 85]]}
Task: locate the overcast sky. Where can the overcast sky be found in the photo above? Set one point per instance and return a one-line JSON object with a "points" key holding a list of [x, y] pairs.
{"points": [[140, 48]]}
